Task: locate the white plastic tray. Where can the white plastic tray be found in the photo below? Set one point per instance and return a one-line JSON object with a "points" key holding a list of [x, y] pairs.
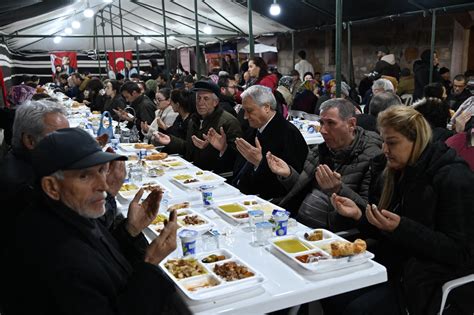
{"points": [[245, 203], [324, 265], [223, 288], [200, 178]]}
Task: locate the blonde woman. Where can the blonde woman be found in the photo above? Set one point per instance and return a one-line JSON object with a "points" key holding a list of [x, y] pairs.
{"points": [[423, 222]]}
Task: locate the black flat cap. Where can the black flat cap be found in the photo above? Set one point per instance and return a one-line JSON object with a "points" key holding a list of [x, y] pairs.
{"points": [[207, 86], [69, 149]]}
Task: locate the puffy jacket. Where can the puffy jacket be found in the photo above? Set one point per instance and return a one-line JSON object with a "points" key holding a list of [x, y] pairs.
{"points": [[352, 163]]}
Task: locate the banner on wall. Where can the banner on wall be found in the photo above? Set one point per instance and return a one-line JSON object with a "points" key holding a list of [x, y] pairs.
{"points": [[63, 61], [119, 58]]}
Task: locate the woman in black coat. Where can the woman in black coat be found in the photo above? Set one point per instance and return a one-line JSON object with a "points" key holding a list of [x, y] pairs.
{"points": [[114, 98], [424, 225]]}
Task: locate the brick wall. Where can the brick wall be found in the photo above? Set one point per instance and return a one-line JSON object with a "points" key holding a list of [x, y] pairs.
{"points": [[405, 37]]}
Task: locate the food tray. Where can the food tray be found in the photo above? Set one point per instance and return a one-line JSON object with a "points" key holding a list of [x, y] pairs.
{"points": [[194, 179], [130, 147], [324, 262], [183, 215], [220, 287], [242, 205], [126, 196]]}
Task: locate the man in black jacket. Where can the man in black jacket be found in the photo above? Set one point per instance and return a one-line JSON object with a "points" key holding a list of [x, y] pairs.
{"points": [[269, 132], [144, 107], [459, 92], [339, 165], [74, 264]]}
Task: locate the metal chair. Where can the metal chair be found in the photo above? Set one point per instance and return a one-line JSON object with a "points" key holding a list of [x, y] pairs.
{"points": [[450, 285]]}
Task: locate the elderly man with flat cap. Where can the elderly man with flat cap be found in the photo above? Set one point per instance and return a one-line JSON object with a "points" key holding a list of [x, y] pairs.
{"points": [[196, 147], [63, 261]]}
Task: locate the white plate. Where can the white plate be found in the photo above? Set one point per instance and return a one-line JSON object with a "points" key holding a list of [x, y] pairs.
{"points": [[246, 203], [223, 287], [127, 195], [324, 265], [200, 228], [199, 178]]}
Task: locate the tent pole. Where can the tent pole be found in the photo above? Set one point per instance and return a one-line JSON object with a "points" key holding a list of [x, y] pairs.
{"points": [[167, 58], [112, 33], [433, 34], [138, 54], [338, 46], [105, 47], [121, 28], [96, 45], [349, 53], [221, 61], [198, 52], [293, 49], [251, 43]]}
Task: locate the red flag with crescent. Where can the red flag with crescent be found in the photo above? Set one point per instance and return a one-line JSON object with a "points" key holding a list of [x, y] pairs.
{"points": [[118, 58]]}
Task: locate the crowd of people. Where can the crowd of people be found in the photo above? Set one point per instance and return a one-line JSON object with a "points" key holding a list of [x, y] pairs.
{"points": [[401, 175]]}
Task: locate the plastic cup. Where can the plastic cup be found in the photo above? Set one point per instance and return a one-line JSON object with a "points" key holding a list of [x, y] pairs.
{"points": [[188, 241], [281, 222], [114, 143], [263, 233], [206, 192], [255, 216]]}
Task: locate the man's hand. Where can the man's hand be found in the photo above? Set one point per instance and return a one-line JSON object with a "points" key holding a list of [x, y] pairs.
{"points": [[217, 140], [140, 215], [277, 165], [346, 207], [382, 219], [249, 152], [161, 138], [145, 127], [328, 180], [164, 244], [123, 115], [198, 143], [116, 176]]}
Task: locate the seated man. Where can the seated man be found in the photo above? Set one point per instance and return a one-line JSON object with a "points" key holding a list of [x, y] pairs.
{"points": [[73, 258], [195, 147], [269, 132], [144, 107], [459, 93], [339, 165]]}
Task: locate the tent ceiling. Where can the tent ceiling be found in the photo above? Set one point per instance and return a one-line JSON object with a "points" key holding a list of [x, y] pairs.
{"points": [[140, 17], [143, 17], [302, 14]]}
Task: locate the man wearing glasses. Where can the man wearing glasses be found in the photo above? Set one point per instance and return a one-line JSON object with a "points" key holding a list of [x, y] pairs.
{"points": [[228, 87]]}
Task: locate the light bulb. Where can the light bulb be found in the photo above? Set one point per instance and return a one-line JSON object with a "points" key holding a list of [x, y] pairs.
{"points": [[207, 29], [275, 9], [57, 39], [139, 41], [76, 24], [171, 37], [88, 13], [147, 40], [108, 1], [68, 30]]}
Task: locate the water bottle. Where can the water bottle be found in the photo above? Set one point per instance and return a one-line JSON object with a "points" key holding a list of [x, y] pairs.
{"points": [[165, 200]]}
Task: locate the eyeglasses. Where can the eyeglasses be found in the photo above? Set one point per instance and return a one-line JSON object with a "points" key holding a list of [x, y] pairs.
{"points": [[160, 99], [232, 86]]}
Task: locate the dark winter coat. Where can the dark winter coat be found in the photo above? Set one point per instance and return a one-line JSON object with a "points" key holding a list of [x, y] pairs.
{"points": [[352, 163], [433, 242], [208, 158], [284, 140]]}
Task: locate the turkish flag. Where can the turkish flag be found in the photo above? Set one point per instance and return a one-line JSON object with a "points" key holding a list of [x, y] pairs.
{"points": [[119, 58]]}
